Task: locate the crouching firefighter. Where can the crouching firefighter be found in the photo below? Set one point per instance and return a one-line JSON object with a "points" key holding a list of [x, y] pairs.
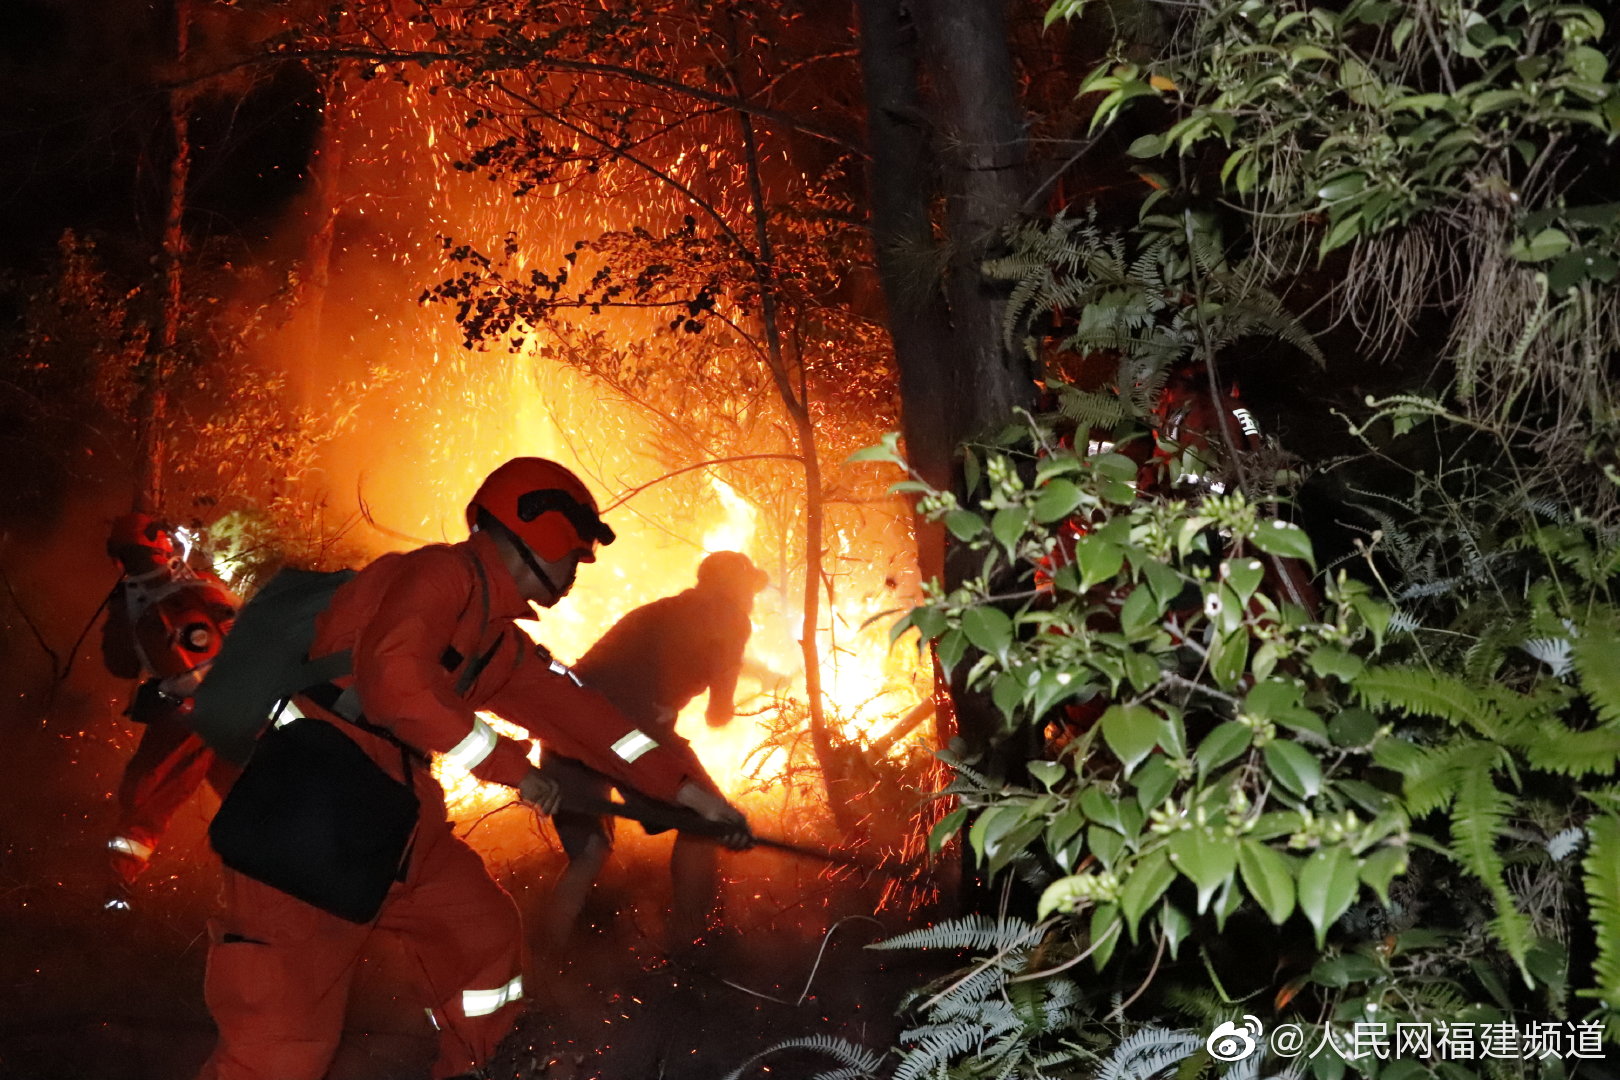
{"points": [[165, 622], [414, 644], [651, 664]]}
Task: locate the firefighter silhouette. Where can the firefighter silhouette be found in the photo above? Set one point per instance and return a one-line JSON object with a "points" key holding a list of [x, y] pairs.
{"points": [[165, 622], [651, 664]]}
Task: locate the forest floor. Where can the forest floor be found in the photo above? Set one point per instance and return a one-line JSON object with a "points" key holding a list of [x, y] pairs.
{"points": [[89, 995]]}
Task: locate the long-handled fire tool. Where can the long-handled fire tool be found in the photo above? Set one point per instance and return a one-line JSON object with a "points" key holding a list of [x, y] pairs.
{"points": [[689, 821]]}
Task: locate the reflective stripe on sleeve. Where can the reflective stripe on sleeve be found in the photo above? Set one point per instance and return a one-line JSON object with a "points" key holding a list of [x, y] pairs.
{"points": [[128, 845], [285, 715], [470, 752], [484, 1002], [633, 745]]}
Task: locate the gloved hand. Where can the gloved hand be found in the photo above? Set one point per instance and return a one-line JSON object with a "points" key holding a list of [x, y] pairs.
{"points": [[540, 791], [711, 807]]}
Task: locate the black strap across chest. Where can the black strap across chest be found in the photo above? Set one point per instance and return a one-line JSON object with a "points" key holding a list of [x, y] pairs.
{"points": [[345, 703]]}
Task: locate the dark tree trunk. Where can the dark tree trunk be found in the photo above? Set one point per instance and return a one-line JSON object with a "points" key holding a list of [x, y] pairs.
{"points": [[152, 399], [982, 149], [901, 180], [958, 380]]}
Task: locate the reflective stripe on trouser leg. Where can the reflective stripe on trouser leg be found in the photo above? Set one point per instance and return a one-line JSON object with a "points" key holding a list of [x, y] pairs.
{"points": [[484, 1002], [128, 845], [633, 745], [470, 752]]}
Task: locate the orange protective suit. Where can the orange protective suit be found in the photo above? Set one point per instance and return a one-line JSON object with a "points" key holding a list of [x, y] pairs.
{"points": [[279, 969], [165, 626]]}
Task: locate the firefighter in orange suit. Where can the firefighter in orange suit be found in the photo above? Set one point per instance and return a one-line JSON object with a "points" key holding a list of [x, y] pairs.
{"points": [[651, 664], [164, 623], [279, 969]]}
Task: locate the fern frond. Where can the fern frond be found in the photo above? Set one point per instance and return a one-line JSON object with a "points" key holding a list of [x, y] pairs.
{"points": [[1602, 879], [1145, 1053], [1090, 410], [1425, 693], [1479, 816], [1595, 651], [980, 932], [1556, 748], [1566, 843], [1557, 653], [858, 1062], [936, 1046]]}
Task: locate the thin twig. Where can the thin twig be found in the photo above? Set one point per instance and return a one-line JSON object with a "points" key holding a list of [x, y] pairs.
{"points": [[626, 496]]}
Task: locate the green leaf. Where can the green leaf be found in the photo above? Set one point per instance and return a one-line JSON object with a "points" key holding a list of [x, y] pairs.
{"points": [[1380, 868], [1099, 560], [1546, 244], [1328, 883], [1153, 782], [1058, 499], [946, 828], [1229, 658], [1295, 767], [1105, 933], [991, 826], [1114, 466], [1340, 971], [1106, 844], [1269, 879], [1342, 186], [1142, 670], [1267, 700], [952, 645], [1098, 807], [1047, 772], [1146, 146], [1165, 582], [1009, 526], [1329, 660], [1220, 746], [1277, 537], [1005, 848], [1243, 575], [1131, 732], [1353, 727], [964, 524], [1205, 859], [1063, 837], [1176, 926], [1007, 692], [1421, 103], [1360, 84], [1063, 895], [989, 629], [887, 450], [1144, 883], [1344, 230], [1138, 612]]}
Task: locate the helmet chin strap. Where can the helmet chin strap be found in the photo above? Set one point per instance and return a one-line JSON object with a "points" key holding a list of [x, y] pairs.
{"points": [[495, 526]]}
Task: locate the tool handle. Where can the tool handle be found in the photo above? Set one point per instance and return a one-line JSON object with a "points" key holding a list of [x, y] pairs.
{"points": [[690, 821]]}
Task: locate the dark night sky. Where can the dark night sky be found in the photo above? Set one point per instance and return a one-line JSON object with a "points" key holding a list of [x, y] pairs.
{"points": [[84, 143]]}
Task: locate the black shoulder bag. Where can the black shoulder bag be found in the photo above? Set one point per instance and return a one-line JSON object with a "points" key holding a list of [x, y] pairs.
{"points": [[314, 816]]}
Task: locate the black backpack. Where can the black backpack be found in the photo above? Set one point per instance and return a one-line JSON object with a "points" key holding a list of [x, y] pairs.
{"points": [[264, 661], [312, 814]]}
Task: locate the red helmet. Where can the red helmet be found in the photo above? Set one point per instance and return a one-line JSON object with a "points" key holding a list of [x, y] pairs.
{"points": [[139, 531], [544, 505], [732, 571]]}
